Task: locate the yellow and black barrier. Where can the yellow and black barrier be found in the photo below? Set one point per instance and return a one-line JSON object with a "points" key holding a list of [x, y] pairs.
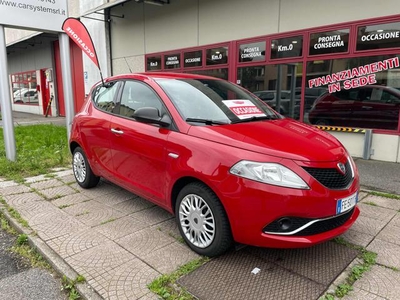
{"points": [[341, 129]]}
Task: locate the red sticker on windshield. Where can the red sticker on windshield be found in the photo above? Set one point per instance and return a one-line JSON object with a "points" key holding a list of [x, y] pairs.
{"points": [[243, 109]]}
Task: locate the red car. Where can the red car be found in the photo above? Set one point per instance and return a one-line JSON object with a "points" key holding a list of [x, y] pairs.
{"points": [[370, 106], [229, 167]]}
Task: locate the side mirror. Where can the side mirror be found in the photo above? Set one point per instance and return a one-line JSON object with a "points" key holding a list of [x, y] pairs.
{"points": [[151, 115]]}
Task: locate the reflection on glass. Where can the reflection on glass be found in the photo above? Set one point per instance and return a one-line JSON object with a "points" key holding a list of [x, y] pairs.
{"points": [[218, 73], [24, 88], [276, 85], [358, 92]]}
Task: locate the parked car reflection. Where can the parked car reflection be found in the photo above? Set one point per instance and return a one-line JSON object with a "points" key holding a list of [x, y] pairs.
{"points": [[26, 96], [270, 97], [371, 106]]}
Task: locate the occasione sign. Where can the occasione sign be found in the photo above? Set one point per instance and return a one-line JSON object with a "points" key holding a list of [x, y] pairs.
{"points": [[79, 34]]}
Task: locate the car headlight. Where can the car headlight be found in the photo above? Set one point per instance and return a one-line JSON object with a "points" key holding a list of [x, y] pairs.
{"points": [[270, 173]]}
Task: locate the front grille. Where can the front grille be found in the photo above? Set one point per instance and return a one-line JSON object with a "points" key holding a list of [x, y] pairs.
{"points": [[331, 177], [315, 228]]}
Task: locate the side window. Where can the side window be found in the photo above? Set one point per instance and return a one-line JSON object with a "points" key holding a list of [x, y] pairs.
{"points": [[104, 97], [137, 95]]}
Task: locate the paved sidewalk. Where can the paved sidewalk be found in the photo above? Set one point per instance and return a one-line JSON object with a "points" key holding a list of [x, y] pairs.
{"points": [[120, 242]]}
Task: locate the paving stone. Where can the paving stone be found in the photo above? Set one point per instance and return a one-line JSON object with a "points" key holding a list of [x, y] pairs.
{"points": [[45, 184], [67, 178], [169, 227], [20, 199], [5, 184], [133, 205], [369, 225], [358, 294], [70, 200], [128, 281], [145, 241], [36, 178], [384, 202], [396, 220], [374, 212], [170, 258], [93, 213], [321, 263], [99, 260], [388, 253], [120, 228], [62, 173], [14, 189], [115, 197], [30, 210], [357, 238], [56, 227], [390, 234], [380, 281], [57, 192], [77, 242], [103, 188], [362, 195], [153, 215]]}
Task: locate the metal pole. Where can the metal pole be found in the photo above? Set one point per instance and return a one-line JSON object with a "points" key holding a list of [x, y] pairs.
{"points": [[5, 101], [278, 89], [67, 80], [367, 144]]}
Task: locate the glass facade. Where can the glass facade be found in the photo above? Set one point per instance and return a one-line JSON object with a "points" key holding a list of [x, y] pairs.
{"points": [[346, 75]]}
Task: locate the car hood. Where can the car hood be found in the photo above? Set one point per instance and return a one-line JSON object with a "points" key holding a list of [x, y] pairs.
{"points": [[284, 138]]}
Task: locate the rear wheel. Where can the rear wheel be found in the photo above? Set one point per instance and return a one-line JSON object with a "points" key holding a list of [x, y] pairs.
{"points": [[202, 220], [83, 173]]}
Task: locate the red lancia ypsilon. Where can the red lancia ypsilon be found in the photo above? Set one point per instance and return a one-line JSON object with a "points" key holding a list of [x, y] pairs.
{"points": [[229, 167]]}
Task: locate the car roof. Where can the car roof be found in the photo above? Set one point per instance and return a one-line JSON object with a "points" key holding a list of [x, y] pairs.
{"points": [[159, 75]]}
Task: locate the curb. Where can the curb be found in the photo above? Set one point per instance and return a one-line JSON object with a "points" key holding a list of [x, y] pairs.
{"points": [[59, 265]]}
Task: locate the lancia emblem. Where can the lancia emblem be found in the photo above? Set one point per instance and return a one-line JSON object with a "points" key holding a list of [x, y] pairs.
{"points": [[341, 168]]}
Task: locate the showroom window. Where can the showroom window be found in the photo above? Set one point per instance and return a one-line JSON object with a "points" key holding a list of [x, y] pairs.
{"points": [[359, 92], [24, 88], [277, 85]]}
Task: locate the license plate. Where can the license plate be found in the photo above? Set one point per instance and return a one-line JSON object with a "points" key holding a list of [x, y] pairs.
{"points": [[346, 204]]}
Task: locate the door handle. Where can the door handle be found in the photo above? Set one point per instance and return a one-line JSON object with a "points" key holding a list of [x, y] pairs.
{"points": [[116, 131], [366, 107]]}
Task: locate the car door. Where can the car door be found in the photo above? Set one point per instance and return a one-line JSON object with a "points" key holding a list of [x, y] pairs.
{"points": [[379, 108], [138, 149], [95, 128]]}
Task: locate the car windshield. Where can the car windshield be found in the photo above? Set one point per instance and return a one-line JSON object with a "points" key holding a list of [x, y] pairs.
{"points": [[208, 101]]}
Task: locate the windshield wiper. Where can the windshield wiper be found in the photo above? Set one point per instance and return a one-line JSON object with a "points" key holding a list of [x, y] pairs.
{"points": [[206, 121], [254, 118]]}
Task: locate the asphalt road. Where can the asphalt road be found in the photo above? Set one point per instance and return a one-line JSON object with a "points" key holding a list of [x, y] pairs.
{"points": [[19, 281]]}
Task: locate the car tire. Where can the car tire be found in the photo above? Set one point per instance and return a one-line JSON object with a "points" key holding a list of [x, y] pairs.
{"points": [[202, 220], [84, 175]]}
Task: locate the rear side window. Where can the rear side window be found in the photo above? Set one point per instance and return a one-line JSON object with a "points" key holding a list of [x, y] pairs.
{"points": [[104, 97]]}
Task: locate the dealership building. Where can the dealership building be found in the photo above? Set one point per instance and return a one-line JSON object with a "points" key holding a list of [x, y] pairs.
{"points": [[334, 64]]}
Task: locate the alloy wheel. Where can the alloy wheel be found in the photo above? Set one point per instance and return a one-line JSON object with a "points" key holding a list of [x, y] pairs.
{"points": [[197, 221]]}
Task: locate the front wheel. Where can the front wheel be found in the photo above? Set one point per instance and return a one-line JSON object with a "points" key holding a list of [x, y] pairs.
{"points": [[202, 220], [84, 175]]}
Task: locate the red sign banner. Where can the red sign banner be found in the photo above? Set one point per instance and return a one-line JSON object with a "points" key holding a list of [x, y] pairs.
{"points": [[80, 35]]}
